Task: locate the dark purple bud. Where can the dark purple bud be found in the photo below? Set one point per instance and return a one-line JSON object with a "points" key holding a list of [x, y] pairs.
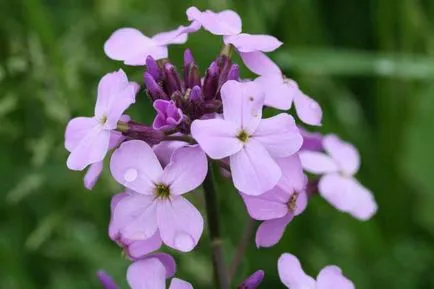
{"points": [[177, 98], [106, 281], [234, 72], [154, 90], [172, 82], [253, 281], [196, 94], [153, 68], [210, 83], [188, 61], [193, 77], [144, 133]]}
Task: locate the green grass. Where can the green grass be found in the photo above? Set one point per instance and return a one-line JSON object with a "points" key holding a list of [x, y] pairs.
{"points": [[369, 63]]}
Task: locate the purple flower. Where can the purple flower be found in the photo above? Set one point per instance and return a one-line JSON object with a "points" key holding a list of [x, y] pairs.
{"points": [[168, 115], [226, 22], [106, 281], [250, 142], [281, 92], [337, 185], [155, 201], [88, 138], [132, 47], [292, 275], [152, 271]]}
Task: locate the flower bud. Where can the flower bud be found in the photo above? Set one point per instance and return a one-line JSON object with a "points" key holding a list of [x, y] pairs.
{"points": [[144, 133], [234, 72], [153, 89], [153, 68], [253, 281], [210, 83], [172, 82]]}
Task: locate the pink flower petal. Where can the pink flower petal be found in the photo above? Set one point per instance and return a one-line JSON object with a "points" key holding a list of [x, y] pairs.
{"points": [[253, 170], [268, 205], [167, 261], [270, 232], [279, 93], [92, 175], [291, 273], [259, 63], [186, 171], [293, 177], [148, 273], [135, 216], [139, 249], [317, 163], [344, 154], [165, 149], [132, 47], [331, 277], [242, 104], [179, 284], [216, 137], [253, 42], [180, 223], [77, 129], [115, 95], [177, 36], [91, 149], [347, 195], [226, 22], [308, 110], [279, 135], [114, 226], [135, 166]]}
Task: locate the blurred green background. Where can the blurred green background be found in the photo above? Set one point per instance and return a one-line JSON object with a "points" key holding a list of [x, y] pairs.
{"points": [[369, 63]]}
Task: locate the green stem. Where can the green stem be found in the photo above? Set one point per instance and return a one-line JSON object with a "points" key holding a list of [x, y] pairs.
{"points": [[213, 216]]}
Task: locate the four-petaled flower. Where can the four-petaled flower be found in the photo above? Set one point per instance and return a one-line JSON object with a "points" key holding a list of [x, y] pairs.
{"points": [[88, 138], [337, 185], [249, 141], [155, 201], [293, 277]]}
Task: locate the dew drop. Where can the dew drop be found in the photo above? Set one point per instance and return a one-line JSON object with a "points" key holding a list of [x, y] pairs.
{"points": [[184, 242], [130, 175]]}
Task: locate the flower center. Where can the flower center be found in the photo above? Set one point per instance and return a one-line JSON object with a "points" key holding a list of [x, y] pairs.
{"points": [[243, 136], [162, 191], [292, 203]]}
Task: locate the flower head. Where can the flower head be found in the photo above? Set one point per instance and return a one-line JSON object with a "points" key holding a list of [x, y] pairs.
{"points": [[337, 184], [88, 138], [156, 201], [249, 141], [293, 277]]}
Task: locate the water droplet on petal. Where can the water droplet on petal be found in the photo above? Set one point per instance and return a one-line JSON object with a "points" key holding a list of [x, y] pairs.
{"points": [[184, 242], [130, 175]]}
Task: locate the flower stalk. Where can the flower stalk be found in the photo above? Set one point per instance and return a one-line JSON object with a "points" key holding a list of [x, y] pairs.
{"points": [[213, 216]]}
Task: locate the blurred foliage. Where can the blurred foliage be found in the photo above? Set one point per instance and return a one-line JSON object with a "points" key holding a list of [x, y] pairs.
{"points": [[369, 63]]}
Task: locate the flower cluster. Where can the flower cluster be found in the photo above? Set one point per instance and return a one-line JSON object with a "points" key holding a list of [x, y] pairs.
{"points": [[204, 121]]}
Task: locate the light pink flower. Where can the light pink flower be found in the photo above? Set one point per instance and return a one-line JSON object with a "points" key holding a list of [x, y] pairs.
{"points": [[88, 138], [293, 277], [156, 202], [280, 205], [337, 185], [132, 47], [250, 142], [226, 22], [151, 273], [281, 92]]}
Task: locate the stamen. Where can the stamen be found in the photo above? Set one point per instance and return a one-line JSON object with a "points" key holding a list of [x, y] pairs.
{"points": [[243, 136], [292, 203], [162, 191]]}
